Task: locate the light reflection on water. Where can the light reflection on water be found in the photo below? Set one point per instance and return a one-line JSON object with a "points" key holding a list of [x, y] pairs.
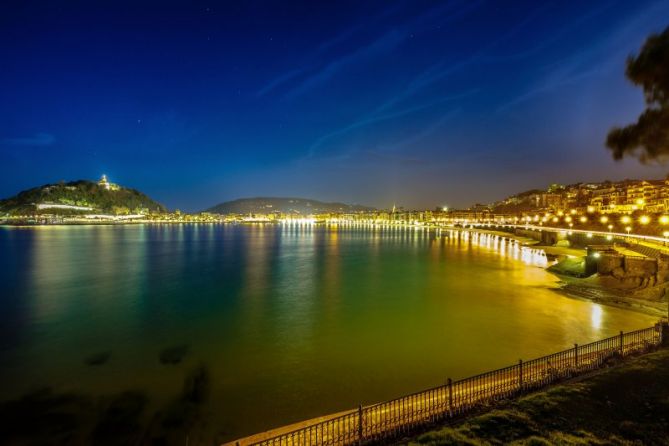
{"points": [[292, 321]]}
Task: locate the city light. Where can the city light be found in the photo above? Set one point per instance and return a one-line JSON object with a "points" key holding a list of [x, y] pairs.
{"points": [[625, 220], [664, 219], [644, 219], [583, 219], [604, 219]]}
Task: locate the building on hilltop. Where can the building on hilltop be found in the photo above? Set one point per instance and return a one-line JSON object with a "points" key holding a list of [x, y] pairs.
{"points": [[106, 184]]}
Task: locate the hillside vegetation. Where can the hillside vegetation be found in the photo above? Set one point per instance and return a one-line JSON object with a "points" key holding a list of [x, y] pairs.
{"points": [[266, 205], [79, 193]]}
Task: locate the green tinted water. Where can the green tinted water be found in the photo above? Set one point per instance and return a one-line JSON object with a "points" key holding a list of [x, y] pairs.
{"points": [[291, 322]]}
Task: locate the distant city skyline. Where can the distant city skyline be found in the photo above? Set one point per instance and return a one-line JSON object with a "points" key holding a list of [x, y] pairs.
{"points": [[419, 104]]}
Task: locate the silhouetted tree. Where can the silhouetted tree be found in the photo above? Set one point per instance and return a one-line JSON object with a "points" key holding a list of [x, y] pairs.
{"points": [[648, 139]]}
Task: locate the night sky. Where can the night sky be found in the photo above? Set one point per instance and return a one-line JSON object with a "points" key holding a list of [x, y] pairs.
{"points": [[410, 102]]}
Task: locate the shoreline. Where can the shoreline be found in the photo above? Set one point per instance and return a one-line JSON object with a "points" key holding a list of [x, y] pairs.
{"points": [[576, 288]]}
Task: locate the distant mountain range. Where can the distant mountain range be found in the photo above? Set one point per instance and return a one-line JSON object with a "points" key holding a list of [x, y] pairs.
{"points": [[86, 197], [78, 197], [264, 205]]}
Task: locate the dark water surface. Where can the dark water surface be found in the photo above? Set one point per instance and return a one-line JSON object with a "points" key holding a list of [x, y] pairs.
{"points": [[290, 322]]}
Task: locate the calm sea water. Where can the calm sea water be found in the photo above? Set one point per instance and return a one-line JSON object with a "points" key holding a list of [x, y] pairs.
{"points": [[291, 322]]}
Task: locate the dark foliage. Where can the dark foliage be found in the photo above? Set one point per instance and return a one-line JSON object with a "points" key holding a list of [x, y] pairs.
{"points": [[263, 205], [648, 139], [80, 193]]}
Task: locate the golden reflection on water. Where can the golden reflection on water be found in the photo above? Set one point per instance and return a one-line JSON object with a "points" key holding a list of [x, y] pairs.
{"points": [[307, 320]]}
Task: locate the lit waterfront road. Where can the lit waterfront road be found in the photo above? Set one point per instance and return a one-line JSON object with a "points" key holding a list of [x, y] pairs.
{"points": [[662, 240]]}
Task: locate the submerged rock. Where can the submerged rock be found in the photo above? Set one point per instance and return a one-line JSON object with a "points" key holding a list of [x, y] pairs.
{"points": [[196, 386], [185, 412], [120, 423], [173, 355], [45, 417], [97, 358]]}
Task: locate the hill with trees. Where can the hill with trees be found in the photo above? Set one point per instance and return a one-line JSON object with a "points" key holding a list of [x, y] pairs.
{"points": [[266, 205], [77, 197]]}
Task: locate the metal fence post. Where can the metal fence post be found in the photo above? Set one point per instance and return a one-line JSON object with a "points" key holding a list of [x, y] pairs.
{"points": [[359, 423], [520, 375], [621, 343], [450, 397], [575, 355]]}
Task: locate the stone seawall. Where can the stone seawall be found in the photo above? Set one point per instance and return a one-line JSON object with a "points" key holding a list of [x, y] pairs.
{"points": [[638, 271], [548, 238]]}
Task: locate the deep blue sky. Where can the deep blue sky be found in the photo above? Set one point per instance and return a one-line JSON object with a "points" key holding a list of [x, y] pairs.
{"points": [[410, 102]]}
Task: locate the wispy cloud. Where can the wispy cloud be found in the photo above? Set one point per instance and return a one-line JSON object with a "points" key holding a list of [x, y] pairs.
{"points": [[383, 44], [376, 155], [355, 29], [385, 117], [551, 84], [278, 81], [38, 139], [442, 70], [596, 60], [325, 47], [429, 130]]}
